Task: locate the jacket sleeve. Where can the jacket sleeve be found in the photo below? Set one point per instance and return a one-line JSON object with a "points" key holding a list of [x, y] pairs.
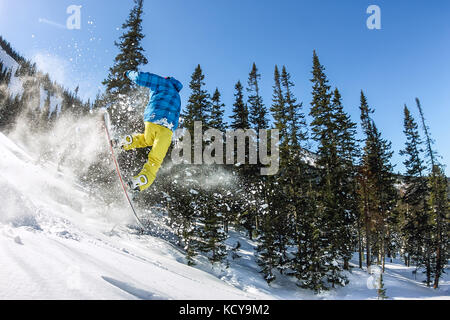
{"points": [[145, 79]]}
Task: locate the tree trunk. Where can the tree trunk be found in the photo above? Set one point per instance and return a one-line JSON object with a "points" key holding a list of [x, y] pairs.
{"points": [[437, 272], [428, 267], [438, 267], [346, 264], [360, 250], [225, 225], [366, 222], [383, 257]]}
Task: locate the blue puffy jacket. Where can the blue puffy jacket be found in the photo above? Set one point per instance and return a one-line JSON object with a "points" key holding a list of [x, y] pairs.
{"points": [[164, 105]]}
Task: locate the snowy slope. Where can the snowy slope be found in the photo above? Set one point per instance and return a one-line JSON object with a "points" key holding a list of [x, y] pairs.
{"points": [[53, 245], [15, 86], [8, 61], [56, 243]]}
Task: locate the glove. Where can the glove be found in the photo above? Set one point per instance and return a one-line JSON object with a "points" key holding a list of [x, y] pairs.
{"points": [[132, 75]]}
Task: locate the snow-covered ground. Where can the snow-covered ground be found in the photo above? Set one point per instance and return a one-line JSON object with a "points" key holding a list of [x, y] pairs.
{"points": [[57, 242]]}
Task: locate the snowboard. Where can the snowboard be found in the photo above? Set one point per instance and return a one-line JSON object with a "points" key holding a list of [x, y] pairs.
{"points": [[108, 131]]}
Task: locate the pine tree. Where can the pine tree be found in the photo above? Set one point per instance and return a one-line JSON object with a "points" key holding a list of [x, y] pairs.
{"points": [[322, 255], [198, 107], [286, 199], [320, 106], [296, 123], [267, 251], [439, 206], [183, 208], [440, 227], [430, 152], [216, 118], [217, 111], [286, 196], [293, 189], [239, 117], [386, 192], [45, 112], [126, 103], [5, 75], [212, 236], [381, 291], [257, 110], [131, 55], [417, 223], [377, 190], [247, 188], [365, 189], [255, 185], [345, 179], [279, 113], [333, 220], [9, 112]]}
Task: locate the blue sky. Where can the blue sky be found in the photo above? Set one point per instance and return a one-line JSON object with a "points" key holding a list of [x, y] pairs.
{"points": [[407, 58]]}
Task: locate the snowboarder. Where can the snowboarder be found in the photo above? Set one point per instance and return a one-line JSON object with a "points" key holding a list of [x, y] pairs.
{"points": [[161, 119]]}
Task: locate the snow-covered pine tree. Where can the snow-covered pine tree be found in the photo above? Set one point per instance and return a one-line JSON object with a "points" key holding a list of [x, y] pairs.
{"points": [[200, 219], [221, 196], [211, 234], [266, 252], [183, 201], [244, 192]]}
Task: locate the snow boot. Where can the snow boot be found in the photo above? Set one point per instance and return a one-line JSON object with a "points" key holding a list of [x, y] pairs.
{"points": [[121, 143], [135, 185]]}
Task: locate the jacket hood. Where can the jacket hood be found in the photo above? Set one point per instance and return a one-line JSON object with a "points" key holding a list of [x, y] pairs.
{"points": [[177, 84]]}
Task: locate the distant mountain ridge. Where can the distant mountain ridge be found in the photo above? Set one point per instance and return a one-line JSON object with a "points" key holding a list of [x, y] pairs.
{"points": [[25, 90]]}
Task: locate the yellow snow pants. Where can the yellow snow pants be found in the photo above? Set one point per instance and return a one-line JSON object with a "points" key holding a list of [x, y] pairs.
{"points": [[157, 137]]}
